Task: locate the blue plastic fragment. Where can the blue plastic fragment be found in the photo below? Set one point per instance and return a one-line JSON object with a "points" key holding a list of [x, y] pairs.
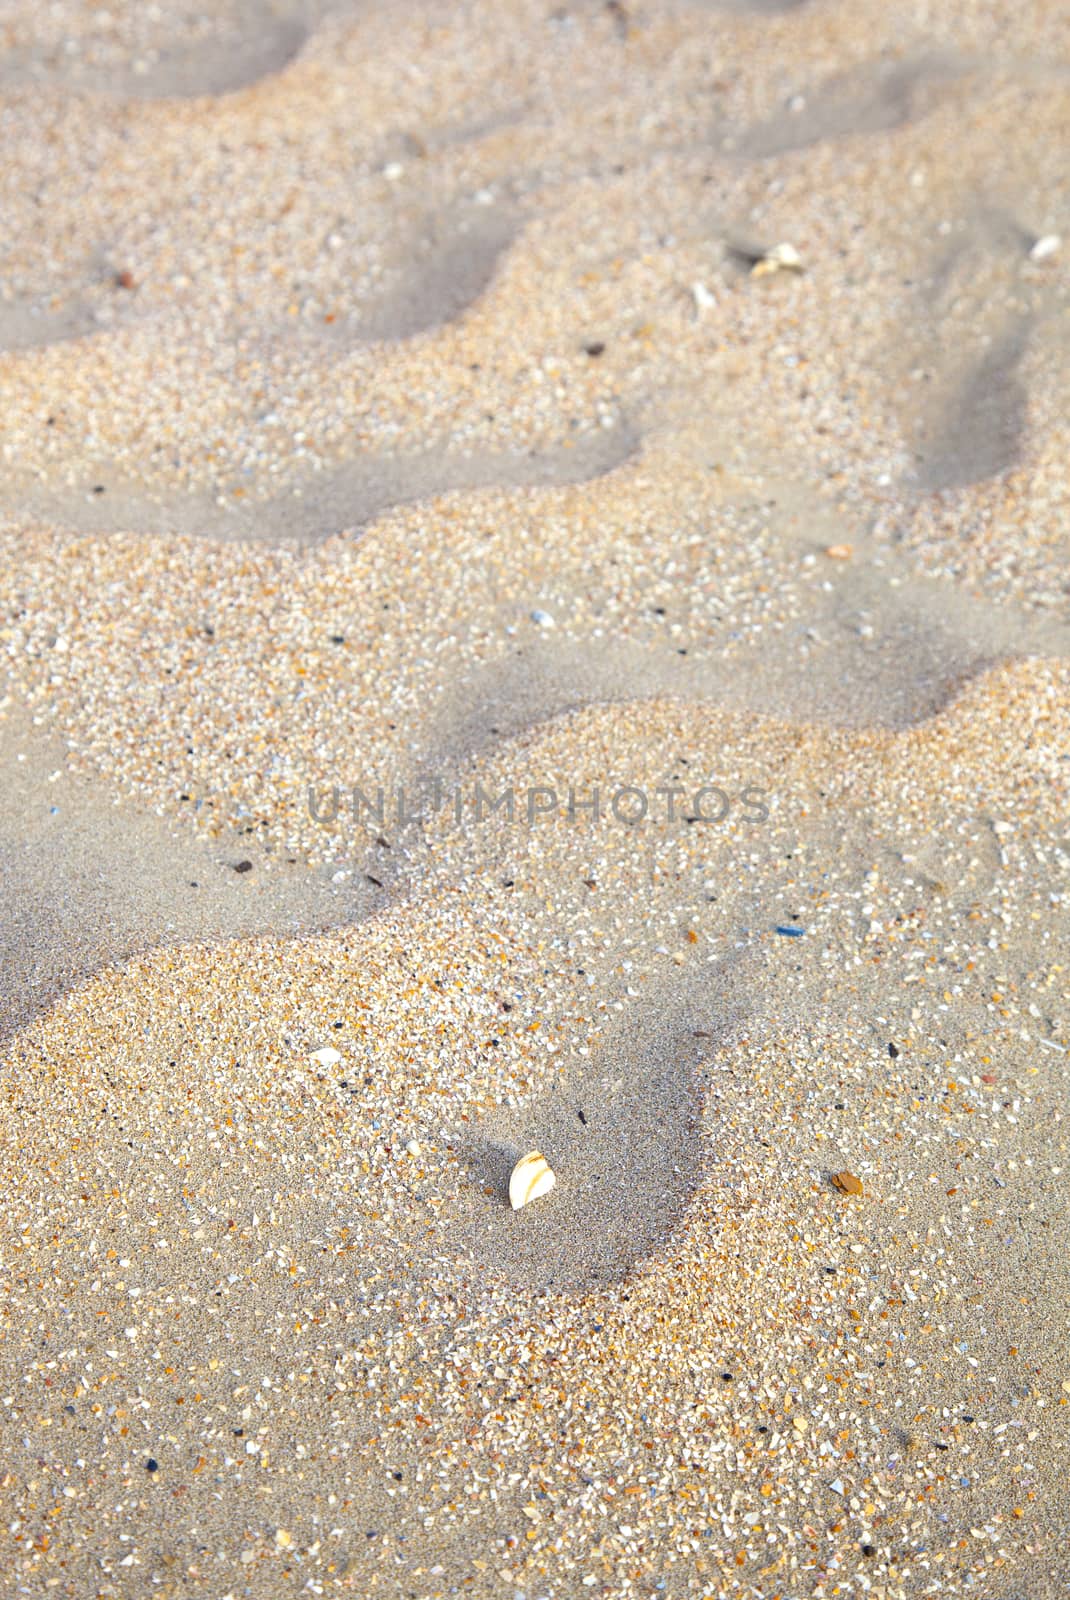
{"points": [[792, 933]]}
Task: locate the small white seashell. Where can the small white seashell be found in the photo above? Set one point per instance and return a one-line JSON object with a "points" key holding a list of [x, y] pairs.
{"points": [[542, 618], [704, 300], [530, 1178], [1048, 245], [327, 1057], [781, 258], [413, 1147]]}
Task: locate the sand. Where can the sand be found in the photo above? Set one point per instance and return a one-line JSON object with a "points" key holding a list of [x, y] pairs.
{"points": [[390, 405]]}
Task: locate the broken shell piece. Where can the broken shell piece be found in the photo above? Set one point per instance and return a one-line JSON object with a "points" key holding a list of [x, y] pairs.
{"points": [[327, 1057], [530, 1178], [704, 300], [847, 1183], [839, 552], [781, 258], [1045, 247]]}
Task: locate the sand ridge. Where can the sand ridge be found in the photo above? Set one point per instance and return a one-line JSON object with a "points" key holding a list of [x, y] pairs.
{"points": [[181, 1099]]}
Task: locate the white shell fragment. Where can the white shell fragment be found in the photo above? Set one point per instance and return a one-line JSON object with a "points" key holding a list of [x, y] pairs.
{"points": [[542, 619], [531, 1177], [327, 1057], [1046, 246], [781, 258], [704, 300]]}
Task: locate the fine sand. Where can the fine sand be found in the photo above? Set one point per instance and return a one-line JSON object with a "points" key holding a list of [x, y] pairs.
{"points": [[399, 451]]}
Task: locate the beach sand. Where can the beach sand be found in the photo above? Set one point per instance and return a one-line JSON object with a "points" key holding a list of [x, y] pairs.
{"points": [[395, 431]]}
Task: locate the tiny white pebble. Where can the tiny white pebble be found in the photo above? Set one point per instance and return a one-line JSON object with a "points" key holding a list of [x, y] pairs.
{"points": [[327, 1057]]}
